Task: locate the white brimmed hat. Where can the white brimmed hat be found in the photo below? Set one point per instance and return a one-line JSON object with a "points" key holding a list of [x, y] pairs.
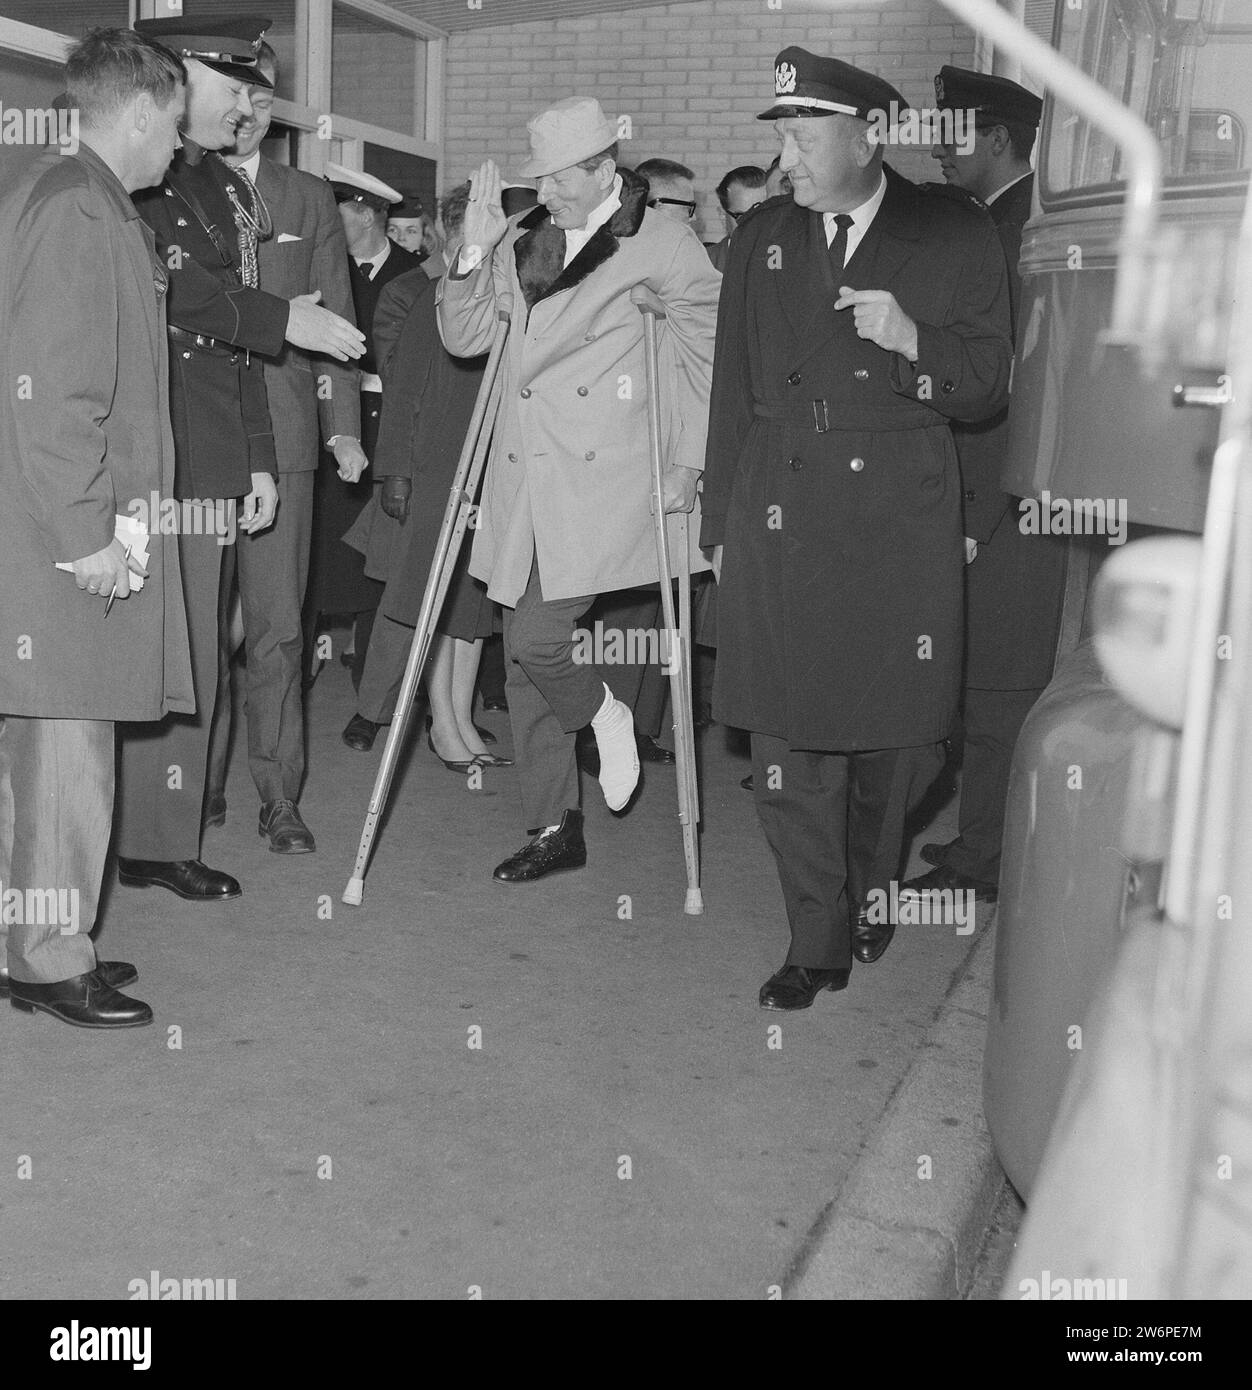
{"points": [[565, 134]]}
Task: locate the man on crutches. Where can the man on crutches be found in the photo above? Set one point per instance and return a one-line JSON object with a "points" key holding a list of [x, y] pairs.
{"points": [[567, 502]]}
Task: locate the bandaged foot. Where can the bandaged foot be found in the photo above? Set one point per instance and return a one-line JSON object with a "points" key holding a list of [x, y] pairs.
{"points": [[614, 728]]}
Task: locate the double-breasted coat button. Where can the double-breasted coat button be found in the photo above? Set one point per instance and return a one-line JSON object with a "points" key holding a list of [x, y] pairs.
{"points": [[861, 374], [856, 465], [970, 494], [948, 387], [795, 463], [525, 393], [582, 390], [512, 458], [794, 379], [590, 455]]}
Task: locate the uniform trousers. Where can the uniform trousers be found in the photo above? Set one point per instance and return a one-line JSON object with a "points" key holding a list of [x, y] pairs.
{"points": [[992, 720], [271, 569], [551, 696], [835, 823], [383, 675], [56, 813], [163, 766]]}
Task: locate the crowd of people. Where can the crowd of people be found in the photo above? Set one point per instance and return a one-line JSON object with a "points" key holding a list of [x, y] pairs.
{"points": [[301, 357]]}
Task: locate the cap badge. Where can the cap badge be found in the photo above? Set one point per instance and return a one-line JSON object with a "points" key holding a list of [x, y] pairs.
{"points": [[784, 79]]}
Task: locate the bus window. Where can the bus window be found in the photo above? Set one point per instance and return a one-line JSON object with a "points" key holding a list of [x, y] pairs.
{"points": [[1182, 65]]}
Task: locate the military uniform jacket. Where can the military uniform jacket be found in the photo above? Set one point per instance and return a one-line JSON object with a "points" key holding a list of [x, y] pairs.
{"points": [[310, 398], [218, 405], [1014, 585], [84, 435], [569, 475], [832, 478]]}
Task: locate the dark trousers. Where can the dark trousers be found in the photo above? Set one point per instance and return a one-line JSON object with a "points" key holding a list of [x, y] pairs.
{"points": [[992, 720], [163, 765], [56, 813], [642, 685], [835, 823], [390, 643], [551, 696], [271, 569]]}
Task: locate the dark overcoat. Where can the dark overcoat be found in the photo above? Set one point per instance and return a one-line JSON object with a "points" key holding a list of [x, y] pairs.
{"points": [[428, 399], [1014, 586], [218, 406], [84, 433], [831, 476], [337, 582]]}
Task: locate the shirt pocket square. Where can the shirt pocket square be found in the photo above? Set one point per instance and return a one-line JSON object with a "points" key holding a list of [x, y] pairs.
{"points": [[288, 236]]}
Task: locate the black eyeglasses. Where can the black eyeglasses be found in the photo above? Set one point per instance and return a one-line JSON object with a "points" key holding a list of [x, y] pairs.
{"points": [[735, 216], [674, 202]]}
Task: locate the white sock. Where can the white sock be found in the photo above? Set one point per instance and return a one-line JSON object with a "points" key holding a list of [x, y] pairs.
{"points": [[614, 728]]}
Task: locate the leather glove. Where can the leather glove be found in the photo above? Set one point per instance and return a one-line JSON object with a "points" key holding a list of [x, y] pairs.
{"points": [[395, 498]]}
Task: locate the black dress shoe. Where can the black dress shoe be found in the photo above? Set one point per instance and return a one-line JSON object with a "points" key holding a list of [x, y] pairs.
{"points": [[943, 878], [796, 986], [748, 784], [486, 735], [495, 702], [360, 733], [934, 854], [115, 973], [214, 810], [189, 878], [491, 760], [282, 822], [870, 939], [650, 751], [85, 1001], [550, 850]]}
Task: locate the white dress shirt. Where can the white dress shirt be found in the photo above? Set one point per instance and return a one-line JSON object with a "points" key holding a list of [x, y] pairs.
{"points": [[861, 217], [1004, 188], [576, 238]]}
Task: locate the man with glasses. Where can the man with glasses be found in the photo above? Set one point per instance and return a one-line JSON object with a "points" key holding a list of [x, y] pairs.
{"points": [[671, 188]]}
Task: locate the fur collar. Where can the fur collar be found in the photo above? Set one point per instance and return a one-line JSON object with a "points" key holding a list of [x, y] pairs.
{"points": [[540, 250]]}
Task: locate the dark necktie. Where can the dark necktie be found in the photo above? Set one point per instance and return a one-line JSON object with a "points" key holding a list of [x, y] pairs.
{"points": [[839, 243], [365, 269]]}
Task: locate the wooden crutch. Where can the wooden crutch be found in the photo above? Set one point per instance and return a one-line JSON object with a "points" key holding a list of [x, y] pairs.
{"points": [[678, 634], [455, 519]]}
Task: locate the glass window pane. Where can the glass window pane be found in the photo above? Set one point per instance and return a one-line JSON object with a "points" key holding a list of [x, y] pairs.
{"points": [[377, 73], [72, 17], [30, 83]]}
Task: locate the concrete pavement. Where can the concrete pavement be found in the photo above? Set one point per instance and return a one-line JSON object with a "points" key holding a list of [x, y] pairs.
{"points": [[557, 1090]]}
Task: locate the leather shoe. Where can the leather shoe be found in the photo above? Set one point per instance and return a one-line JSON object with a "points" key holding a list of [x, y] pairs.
{"points": [[870, 939], [115, 973], [550, 850], [486, 735], [85, 1001], [945, 878], [796, 986], [494, 702], [360, 733], [189, 878], [934, 854], [650, 751], [282, 822], [586, 752], [214, 810], [748, 783]]}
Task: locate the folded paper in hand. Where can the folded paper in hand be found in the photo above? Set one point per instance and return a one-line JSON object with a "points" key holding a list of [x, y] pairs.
{"points": [[129, 531]]}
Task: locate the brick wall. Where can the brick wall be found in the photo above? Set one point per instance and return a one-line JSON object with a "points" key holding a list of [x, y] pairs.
{"points": [[690, 77]]}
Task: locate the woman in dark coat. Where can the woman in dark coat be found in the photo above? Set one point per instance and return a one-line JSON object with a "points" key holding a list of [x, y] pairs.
{"points": [[429, 397]]}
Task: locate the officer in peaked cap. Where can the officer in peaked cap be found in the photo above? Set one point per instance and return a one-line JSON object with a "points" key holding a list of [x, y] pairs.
{"points": [[208, 222], [1013, 582], [807, 85], [337, 579], [229, 44], [858, 319]]}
